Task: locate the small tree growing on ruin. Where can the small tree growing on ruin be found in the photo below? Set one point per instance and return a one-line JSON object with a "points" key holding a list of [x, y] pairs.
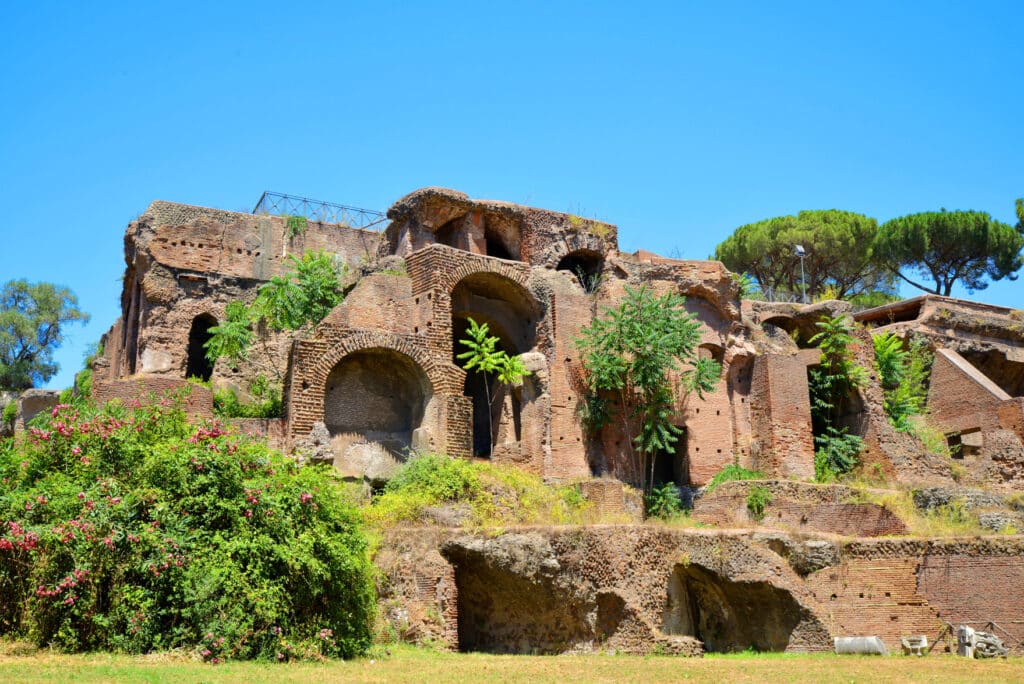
{"points": [[629, 354], [831, 383], [483, 356], [300, 298]]}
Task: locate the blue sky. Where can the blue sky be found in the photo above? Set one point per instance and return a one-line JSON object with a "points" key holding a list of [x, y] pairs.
{"points": [[676, 121]]}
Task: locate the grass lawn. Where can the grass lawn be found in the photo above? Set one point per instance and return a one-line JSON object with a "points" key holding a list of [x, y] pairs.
{"points": [[407, 664]]}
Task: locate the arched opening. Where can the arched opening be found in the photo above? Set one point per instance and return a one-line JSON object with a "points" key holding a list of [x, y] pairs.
{"points": [[197, 365], [727, 615], [800, 331], [586, 265], [376, 396], [452, 233], [502, 239], [511, 315]]}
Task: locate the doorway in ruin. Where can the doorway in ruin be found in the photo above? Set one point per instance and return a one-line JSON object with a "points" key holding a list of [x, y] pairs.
{"points": [[728, 616], [511, 315], [672, 467], [197, 365], [376, 396]]}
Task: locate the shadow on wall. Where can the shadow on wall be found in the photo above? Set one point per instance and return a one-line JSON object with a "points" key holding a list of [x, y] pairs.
{"points": [[729, 616]]}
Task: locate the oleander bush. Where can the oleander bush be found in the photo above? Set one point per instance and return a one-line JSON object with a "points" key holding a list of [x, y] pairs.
{"points": [[129, 529]]}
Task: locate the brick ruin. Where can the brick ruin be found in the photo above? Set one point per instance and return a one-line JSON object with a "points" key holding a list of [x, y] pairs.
{"points": [[377, 378]]}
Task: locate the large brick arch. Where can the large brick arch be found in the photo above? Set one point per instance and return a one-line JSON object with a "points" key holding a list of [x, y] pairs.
{"points": [[441, 376], [441, 267]]}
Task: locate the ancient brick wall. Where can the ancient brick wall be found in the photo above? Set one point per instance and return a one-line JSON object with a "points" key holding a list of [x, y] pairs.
{"points": [[197, 401], [798, 507], [899, 588], [780, 411]]}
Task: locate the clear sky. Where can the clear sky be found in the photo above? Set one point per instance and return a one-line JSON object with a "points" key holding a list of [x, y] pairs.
{"points": [[677, 121]]}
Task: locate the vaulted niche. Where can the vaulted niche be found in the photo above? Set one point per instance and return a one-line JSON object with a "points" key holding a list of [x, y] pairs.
{"points": [[197, 365], [727, 615], [586, 265], [511, 315], [378, 395]]}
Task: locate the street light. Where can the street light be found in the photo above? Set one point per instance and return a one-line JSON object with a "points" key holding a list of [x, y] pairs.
{"points": [[801, 253]]}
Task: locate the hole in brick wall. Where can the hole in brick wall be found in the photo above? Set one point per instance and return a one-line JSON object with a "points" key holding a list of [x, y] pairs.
{"points": [[586, 265], [415, 329], [718, 412], [197, 365], [305, 384], [428, 296], [887, 595], [728, 616]]}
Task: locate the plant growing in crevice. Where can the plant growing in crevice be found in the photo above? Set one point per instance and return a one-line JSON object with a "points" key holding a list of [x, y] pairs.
{"points": [[628, 355], [483, 356], [757, 499], [295, 225], [590, 282], [831, 383]]}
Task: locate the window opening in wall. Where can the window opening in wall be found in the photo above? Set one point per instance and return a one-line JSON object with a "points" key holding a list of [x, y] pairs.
{"points": [[496, 248], [674, 467], [586, 265], [198, 366]]}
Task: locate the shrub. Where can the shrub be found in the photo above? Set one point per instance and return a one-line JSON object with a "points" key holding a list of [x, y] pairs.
{"points": [[10, 412], [663, 502], [730, 473], [129, 529], [489, 493], [757, 499], [268, 404]]}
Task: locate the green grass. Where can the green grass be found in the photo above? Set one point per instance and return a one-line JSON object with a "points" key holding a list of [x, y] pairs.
{"points": [[491, 494], [408, 664]]}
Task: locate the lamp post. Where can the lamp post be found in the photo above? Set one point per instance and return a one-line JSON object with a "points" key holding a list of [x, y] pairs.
{"points": [[801, 253]]}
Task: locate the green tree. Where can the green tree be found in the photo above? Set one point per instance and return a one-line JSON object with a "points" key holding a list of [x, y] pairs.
{"points": [[903, 374], [33, 318], [303, 296], [831, 384], [950, 246], [629, 353], [838, 250], [483, 356]]}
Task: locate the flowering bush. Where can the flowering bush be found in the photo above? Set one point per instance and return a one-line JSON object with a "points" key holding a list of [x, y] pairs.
{"points": [[130, 529]]}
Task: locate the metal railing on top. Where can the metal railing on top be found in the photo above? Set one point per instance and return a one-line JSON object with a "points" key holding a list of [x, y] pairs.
{"points": [[279, 204]]}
